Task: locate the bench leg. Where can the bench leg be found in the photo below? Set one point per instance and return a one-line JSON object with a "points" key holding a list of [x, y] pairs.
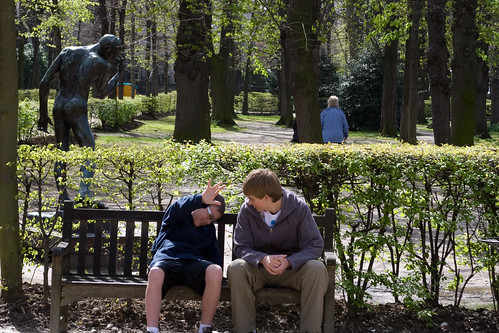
{"points": [[329, 302], [58, 313]]}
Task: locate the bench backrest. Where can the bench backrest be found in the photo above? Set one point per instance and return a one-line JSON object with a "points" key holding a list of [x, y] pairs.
{"points": [[118, 242]]}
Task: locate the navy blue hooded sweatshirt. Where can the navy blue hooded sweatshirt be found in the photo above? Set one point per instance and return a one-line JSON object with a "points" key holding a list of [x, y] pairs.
{"points": [[180, 239]]}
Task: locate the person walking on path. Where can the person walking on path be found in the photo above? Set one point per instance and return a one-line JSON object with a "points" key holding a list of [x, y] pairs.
{"points": [[333, 122], [277, 243], [186, 252]]}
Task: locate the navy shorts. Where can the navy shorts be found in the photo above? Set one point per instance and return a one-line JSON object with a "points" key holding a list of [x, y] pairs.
{"points": [[187, 272]]}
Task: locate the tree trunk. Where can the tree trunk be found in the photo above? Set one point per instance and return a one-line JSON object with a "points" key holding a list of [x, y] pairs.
{"points": [[389, 99], [10, 252], [410, 99], [192, 69], [154, 52], [166, 65], [246, 82], [437, 71], [148, 57], [463, 86], [112, 17], [56, 32], [132, 53], [223, 71], [302, 46], [353, 27], [122, 37], [20, 63], [104, 21], [482, 85], [494, 95], [35, 78], [285, 104]]}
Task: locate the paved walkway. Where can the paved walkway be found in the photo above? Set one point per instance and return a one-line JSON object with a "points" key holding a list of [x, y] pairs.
{"points": [[265, 132]]}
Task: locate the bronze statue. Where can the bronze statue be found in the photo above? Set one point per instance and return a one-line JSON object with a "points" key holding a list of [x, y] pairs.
{"points": [[79, 68]]}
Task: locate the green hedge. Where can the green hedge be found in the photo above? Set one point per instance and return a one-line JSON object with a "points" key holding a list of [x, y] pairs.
{"points": [[258, 102], [419, 208]]}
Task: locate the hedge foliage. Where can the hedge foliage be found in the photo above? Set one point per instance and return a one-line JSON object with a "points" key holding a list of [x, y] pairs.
{"points": [[414, 209], [258, 102]]}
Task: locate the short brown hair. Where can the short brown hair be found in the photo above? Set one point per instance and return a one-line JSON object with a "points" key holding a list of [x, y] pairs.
{"points": [[260, 182]]}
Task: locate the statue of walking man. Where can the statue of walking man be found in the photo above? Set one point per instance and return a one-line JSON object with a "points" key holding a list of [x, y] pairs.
{"points": [[79, 68]]}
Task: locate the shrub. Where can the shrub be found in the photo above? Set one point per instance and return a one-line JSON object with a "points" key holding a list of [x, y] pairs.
{"points": [[361, 91], [32, 94], [27, 118], [114, 113], [258, 102]]}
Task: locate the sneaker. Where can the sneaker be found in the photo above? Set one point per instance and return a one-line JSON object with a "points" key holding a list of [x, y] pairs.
{"points": [[209, 330]]}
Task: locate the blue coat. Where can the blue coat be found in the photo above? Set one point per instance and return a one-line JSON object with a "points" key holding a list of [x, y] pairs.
{"points": [[178, 238], [334, 125]]}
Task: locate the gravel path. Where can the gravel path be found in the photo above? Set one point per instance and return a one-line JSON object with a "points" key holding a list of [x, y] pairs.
{"points": [[265, 132]]}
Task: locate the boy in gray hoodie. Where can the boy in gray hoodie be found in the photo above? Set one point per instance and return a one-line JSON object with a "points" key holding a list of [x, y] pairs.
{"points": [[277, 244]]}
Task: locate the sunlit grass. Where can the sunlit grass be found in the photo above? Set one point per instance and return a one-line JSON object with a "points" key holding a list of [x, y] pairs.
{"points": [[154, 132], [151, 132]]}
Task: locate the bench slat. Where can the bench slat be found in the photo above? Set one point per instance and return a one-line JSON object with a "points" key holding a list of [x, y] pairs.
{"points": [[98, 248], [144, 248], [82, 240], [113, 247]]}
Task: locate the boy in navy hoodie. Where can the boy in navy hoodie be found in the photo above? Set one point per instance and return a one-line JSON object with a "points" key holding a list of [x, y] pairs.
{"points": [[186, 252]]}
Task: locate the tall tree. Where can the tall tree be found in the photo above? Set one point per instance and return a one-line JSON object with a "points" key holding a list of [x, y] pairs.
{"points": [[192, 70], [10, 252], [354, 25], [463, 86], [154, 53], [390, 67], [482, 86], [494, 95], [103, 18], [389, 99], [223, 68], [410, 98], [121, 36], [437, 64], [302, 46], [285, 102]]}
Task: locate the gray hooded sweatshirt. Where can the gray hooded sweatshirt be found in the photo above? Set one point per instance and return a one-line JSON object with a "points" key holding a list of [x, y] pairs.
{"points": [[295, 233]]}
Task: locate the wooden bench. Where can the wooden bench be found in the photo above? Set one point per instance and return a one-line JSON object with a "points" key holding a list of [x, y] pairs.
{"points": [[112, 261]]}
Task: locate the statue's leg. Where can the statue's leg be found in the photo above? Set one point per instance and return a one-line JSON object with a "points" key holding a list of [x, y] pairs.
{"points": [[85, 138], [87, 173], [63, 139], [85, 193], [61, 181]]}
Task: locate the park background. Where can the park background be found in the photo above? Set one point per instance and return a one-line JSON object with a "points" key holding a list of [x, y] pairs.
{"points": [[398, 67]]}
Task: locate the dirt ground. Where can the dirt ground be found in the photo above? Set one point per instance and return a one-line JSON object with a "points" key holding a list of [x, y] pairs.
{"points": [[31, 314]]}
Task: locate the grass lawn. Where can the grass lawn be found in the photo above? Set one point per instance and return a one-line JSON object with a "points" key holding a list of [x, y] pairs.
{"points": [[154, 132]]}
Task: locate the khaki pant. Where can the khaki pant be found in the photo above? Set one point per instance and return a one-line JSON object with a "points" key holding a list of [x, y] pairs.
{"points": [[245, 279]]}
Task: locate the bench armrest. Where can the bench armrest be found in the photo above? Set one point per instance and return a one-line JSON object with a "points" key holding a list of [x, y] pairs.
{"points": [[329, 258], [60, 249]]}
